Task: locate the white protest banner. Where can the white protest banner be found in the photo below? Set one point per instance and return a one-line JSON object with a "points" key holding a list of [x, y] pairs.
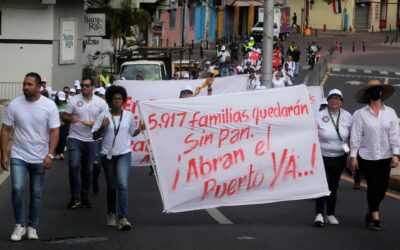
{"points": [[239, 148], [316, 94], [155, 90]]}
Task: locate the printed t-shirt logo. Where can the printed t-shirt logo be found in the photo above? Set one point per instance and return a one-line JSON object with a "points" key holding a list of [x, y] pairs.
{"points": [[79, 103], [325, 118]]}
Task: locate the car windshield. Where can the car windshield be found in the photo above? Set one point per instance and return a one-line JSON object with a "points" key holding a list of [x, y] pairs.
{"points": [[259, 25], [147, 71]]}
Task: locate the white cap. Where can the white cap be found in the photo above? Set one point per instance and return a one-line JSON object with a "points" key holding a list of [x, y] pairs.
{"points": [[188, 87], [223, 47], [251, 38], [323, 101], [43, 79], [186, 76], [208, 62], [109, 84], [102, 91], [77, 82], [335, 92], [96, 90], [72, 90], [78, 86], [61, 95]]}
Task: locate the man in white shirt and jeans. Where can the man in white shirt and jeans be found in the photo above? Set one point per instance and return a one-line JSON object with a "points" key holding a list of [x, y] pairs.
{"points": [[36, 122], [82, 112]]}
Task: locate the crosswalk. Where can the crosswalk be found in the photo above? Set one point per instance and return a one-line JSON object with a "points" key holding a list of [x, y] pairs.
{"points": [[382, 73]]}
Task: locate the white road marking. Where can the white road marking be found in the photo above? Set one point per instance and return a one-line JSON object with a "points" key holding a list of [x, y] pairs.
{"points": [[352, 70], [246, 238], [354, 83], [3, 177], [383, 72], [336, 70], [367, 71], [386, 80], [218, 216]]}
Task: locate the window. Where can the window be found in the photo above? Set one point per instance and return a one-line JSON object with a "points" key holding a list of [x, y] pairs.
{"points": [[398, 14], [172, 15], [192, 13], [383, 18]]}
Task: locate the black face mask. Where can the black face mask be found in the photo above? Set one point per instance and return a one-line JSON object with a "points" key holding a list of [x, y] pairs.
{"points": [[374, 94]]}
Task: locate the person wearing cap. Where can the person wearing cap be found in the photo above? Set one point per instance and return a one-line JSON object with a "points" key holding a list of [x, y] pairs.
{"points": [[82, 111], [334, 125], [104, 78], [223, 54], [323, 104], [36, 123], [61, 103], [77, 85], [375, 145], [72, 92]]}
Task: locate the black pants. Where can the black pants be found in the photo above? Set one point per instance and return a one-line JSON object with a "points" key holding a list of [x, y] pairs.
{"points": [[62, 139], [377, 175], [333, 168]]}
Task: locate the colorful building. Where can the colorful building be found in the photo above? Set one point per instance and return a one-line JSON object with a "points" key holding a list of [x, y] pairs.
{"points": [[348, 15]]}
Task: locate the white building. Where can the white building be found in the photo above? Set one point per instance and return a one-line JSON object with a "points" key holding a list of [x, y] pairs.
{"points": [[30, 41]]}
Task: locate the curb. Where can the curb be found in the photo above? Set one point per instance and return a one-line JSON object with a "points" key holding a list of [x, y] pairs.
{"points": [[394, 182]]}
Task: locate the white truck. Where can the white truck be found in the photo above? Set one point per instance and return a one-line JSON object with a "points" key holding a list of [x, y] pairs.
{"points": [[143, 70], [281, 24]]}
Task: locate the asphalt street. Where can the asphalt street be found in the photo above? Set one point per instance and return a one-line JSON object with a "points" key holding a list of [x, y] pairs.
{"points": [[281, 225]]}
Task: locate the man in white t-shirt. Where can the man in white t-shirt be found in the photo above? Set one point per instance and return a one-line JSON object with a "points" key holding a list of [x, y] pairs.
{"points": [[82, 112], [36, 122]]}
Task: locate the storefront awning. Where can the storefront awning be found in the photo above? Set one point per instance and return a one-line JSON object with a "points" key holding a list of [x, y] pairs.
{"points": [[244, 3]]}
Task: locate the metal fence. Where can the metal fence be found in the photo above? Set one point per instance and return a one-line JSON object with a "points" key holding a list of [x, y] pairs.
{"points": [[314, 76], [9, 90]]}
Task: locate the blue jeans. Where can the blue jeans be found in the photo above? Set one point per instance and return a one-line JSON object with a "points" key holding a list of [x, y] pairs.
{"points": [[81, 158], [37, 173], [296, 68], [117, 174]]}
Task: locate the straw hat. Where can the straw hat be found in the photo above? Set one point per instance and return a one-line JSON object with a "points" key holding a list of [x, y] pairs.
{"points": [[387, 90]]}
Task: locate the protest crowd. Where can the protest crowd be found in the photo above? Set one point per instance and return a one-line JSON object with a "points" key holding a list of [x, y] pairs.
{"points": [[88, 120]]}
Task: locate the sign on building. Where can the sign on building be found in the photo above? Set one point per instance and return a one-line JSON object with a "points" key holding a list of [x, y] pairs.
{"points": [[68, 40], [94, 24]]}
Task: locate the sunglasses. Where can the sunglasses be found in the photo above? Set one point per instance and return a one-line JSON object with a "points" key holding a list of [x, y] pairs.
{"points": [[86, 85]]}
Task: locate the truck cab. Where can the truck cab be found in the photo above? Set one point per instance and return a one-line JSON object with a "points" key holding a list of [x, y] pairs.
{"points": [[143, 70]]}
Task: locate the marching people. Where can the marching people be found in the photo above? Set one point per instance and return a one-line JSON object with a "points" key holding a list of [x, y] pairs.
{"points": [[36, 122], [116, 128], [334, 125], [82, 112], [375, 144]]}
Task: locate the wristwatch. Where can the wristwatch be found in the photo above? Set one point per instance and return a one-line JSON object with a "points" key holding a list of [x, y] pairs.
{"points": [[51, 156]]}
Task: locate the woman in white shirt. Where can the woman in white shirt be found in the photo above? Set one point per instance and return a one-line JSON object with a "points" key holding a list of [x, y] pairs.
{"points": [[375, 144], [334, 124], [278, 80], [116, 127]]}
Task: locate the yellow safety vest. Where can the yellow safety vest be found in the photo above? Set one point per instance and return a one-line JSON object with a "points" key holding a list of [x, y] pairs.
{"points": [[105, 80]]}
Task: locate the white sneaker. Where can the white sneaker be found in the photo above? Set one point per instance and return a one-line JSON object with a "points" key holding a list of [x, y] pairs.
{"points": [[124, 224], [319, 220], [19, 231], [111, 220], [32, 235], [331, 219]]}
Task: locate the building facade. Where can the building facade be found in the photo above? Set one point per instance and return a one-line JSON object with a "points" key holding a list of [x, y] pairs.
{"points": [[42, 36]]}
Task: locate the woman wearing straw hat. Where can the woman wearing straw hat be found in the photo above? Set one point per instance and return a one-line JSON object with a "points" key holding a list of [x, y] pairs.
{"points": [[375, 144], [334, 125]]}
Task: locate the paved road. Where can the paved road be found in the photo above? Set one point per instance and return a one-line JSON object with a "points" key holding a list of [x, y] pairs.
{"points": [[284, 225]]}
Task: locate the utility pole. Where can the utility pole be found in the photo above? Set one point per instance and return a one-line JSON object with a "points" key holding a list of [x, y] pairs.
{"points": [[183, 23], [268, 43]]}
